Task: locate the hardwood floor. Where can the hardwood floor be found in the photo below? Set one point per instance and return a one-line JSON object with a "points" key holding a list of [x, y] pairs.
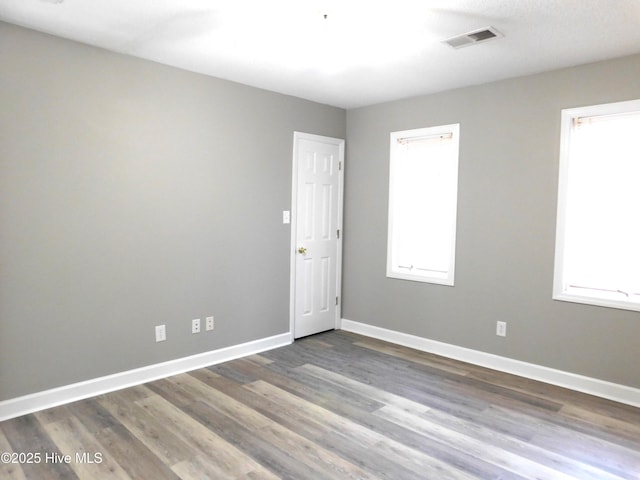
{"points": [[335, 406]]}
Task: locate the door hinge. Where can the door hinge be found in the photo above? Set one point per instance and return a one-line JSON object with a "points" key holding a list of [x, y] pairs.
{"points": [[336, 300], [338, 233], [339, 165]]}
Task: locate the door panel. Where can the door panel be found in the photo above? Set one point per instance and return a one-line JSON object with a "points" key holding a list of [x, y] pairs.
{"points": [[317, 213], [306, 290]]}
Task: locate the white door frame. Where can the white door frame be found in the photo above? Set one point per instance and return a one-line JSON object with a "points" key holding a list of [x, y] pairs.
{"points": [[294, 225]]}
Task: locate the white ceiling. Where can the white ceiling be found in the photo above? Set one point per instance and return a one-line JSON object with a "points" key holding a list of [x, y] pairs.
{"points": [[363, 52]]}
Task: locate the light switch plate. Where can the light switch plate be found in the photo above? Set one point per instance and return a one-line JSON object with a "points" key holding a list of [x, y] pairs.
{"points": [[286, 216]]}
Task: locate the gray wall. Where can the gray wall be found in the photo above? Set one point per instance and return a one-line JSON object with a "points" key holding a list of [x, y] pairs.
{"points": [[131, 195], [506, 225]]}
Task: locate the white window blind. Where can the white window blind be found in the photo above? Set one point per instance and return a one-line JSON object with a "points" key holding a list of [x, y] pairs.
{"points": [[598, 238], [422, 204]]}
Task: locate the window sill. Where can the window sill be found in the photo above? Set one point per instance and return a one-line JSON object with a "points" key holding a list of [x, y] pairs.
{"points": [[421, 278], [599, 300]]}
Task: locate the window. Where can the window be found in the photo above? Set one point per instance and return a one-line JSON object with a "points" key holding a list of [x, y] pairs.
{"points": [[598, 227], [423, 190]]}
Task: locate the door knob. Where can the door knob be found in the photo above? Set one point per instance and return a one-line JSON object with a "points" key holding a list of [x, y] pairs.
{"points": [[302, 250]]}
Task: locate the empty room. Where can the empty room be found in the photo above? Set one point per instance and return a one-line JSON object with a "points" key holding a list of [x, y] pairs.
{"points": [[320, 239]]}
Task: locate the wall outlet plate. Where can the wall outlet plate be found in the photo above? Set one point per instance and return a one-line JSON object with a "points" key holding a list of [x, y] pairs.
{"points": [[209, 324], [161, 333], [195, 325], [501, 329]]}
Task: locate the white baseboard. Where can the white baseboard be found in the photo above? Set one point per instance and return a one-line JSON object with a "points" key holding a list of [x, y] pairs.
{"points": [[592, 386], [34, 402]]}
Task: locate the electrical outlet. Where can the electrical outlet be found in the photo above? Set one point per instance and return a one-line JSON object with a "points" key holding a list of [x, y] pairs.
{"points": [[195, 325], [210, 325], [161, 333], [501, 329]]}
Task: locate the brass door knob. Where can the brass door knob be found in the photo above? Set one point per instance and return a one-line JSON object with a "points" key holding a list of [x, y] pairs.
{"points": [[302, 250]]}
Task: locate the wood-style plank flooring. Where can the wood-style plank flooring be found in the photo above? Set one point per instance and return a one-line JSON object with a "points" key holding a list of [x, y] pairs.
{"points": [[332, 406]]}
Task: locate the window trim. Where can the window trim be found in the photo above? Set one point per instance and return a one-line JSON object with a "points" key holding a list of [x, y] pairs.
{"points": [[453, 132], [576, 294]]}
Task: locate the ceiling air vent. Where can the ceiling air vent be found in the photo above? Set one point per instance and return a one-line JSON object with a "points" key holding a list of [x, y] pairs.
{"points": [[473, 38]]}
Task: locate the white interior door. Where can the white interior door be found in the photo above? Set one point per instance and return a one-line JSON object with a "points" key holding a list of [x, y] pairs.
{"points": [[316, 237]]}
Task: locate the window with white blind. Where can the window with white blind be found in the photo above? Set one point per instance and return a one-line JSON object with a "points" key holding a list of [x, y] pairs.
{"points": [[598, 226], [423, 191]]}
